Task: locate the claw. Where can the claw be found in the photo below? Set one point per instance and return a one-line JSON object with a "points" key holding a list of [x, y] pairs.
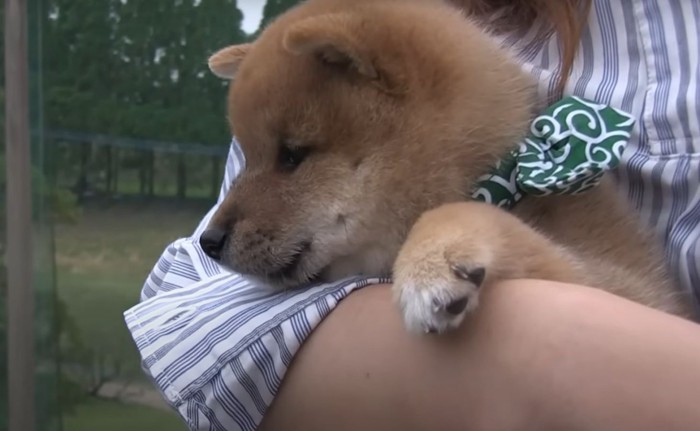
{"points": [[474, 276], [456, 307]]}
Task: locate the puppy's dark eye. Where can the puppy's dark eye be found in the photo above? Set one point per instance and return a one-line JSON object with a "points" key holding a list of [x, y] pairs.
{"points": [[289, 158]]}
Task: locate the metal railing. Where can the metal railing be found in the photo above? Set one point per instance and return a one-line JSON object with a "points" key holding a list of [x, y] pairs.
{"points": [[138, 144]]}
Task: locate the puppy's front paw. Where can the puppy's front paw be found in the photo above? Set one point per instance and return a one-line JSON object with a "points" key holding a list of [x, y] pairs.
{"points": [[444, 262], [435, 297]]}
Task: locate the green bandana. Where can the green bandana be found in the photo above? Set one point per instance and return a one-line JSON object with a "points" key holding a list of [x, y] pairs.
{"points": [[568, 149]]}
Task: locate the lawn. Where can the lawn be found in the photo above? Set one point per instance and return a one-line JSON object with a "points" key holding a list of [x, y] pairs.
{"points": [[102, 261], [99, 415]]}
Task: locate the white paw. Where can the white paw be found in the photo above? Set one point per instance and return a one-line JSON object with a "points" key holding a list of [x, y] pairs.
{"points": [[436, 304]]}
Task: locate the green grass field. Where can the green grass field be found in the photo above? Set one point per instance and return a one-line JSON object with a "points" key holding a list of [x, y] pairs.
{"points": [[98, 415], [102, 261]]}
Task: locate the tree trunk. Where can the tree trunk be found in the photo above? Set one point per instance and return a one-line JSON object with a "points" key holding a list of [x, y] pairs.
{"points": [[215, 182], [81, 185], [151, 173], [117, 165], [142, 173], [181, 177], [108, 176]]}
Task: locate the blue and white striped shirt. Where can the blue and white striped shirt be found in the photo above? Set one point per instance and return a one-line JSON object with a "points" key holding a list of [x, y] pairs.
{"points": [[218, 346]]}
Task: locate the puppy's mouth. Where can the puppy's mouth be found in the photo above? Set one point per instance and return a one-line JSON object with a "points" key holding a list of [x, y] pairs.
{"points": [[293, 271]]}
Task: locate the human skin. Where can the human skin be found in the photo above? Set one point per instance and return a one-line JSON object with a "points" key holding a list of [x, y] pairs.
{"points": [[536, 355]]}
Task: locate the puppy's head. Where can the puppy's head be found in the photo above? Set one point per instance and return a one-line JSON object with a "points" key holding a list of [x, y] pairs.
{"points": [[354, 118]]}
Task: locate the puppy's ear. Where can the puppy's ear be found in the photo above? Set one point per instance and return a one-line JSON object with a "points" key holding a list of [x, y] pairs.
{"points": [[225, 62], [337, 39]]}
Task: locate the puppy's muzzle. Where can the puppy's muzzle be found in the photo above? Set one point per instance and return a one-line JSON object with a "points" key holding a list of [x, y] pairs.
{"points": [[212, 242], [249, 249]]}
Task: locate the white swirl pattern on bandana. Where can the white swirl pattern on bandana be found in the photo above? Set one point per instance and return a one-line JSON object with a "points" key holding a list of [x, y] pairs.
{"points": [[567, 151]]}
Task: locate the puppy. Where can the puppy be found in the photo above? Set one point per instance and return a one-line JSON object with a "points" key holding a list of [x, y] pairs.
{"points": [[365, 125]]}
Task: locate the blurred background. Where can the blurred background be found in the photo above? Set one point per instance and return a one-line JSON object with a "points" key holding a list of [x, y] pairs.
{"points": [[129, 140]]}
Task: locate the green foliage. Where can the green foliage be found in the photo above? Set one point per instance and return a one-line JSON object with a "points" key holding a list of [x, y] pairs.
{"points": [[138, 68]]}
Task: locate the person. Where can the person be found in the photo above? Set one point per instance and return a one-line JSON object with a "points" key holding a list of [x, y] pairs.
{"points": [[230, 355]]}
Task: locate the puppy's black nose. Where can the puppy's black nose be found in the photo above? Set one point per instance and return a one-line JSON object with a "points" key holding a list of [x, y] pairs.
{"points": [[212, 241]]}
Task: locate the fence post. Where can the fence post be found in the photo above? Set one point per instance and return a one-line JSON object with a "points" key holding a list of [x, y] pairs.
{"points": [[20, 292]]}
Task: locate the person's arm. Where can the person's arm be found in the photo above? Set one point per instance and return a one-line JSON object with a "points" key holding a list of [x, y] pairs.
{"points": [[537, 356]]}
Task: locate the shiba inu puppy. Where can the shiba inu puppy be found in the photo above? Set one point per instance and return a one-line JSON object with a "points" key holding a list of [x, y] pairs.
{"points": [[365, 125]]}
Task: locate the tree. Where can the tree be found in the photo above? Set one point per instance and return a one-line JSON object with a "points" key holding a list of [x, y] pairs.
{"points": [[138, 69], [273, 8]]}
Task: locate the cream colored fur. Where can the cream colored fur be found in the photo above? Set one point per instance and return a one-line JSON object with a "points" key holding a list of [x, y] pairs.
{"points": [[364, 124]]}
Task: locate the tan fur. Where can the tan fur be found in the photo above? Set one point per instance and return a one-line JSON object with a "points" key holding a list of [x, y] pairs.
{"points": [[403, 103]]}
